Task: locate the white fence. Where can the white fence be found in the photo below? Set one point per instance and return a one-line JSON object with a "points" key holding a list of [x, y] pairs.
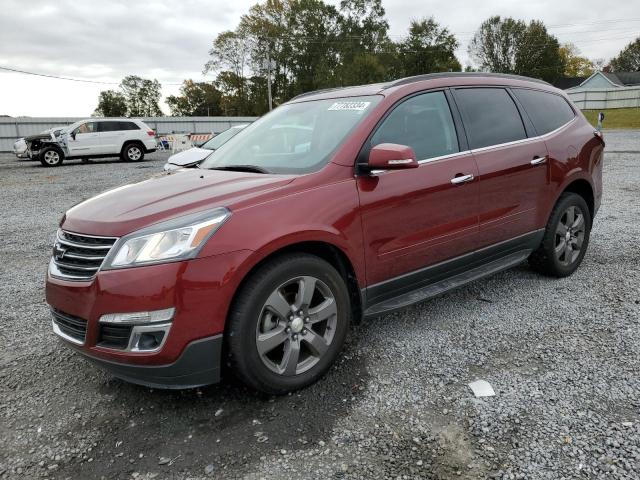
{"points": [[600, 99], [13, 128]]}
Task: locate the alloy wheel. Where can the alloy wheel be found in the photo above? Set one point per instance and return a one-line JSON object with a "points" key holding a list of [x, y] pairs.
{"points": [[570, 235], [52, 157], [134, 153], [296, 325]]}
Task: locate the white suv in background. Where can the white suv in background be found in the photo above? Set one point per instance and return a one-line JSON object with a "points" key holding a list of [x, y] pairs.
{"points": [[127, 138]]}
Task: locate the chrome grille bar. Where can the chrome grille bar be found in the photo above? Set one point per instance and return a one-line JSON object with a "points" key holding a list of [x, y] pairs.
{"points": [[78, 256]]}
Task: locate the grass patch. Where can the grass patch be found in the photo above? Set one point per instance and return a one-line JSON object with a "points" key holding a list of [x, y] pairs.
{"points": [[624, 118]]}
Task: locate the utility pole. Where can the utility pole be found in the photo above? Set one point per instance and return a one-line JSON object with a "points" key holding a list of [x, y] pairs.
{"points": [[269, 79]]}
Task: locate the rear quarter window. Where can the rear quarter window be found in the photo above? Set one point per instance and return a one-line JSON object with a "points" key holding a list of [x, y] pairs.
{"points": [[128, 126], [490, 116], [547, 111]]}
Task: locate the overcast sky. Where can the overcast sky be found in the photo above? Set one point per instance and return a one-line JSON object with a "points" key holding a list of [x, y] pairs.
{"points": [[168, 40]]}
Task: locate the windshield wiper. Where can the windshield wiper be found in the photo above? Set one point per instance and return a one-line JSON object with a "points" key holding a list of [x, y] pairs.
{"points": [[242, 168]]}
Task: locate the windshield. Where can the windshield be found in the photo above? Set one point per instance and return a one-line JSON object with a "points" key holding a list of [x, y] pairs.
{"points": [[222, 138], [294, 138]]}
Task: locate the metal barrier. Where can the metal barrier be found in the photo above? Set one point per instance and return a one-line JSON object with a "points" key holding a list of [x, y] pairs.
{"points": [[13, 128]]}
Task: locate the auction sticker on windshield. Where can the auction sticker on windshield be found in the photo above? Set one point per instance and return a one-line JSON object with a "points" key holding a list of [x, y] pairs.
{"points": [[352, 106]]}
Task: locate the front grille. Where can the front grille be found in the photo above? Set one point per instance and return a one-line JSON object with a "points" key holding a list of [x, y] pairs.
{"points": [[79, 257], [74, 327], [114, 336]]}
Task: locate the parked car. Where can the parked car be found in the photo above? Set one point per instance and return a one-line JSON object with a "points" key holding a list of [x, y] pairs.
{"points": [[20, 145], [256, 263], [126, 138], [195, 156]]}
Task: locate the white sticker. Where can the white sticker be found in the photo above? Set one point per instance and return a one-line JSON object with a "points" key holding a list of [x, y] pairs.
{"points": [[351, 106]]}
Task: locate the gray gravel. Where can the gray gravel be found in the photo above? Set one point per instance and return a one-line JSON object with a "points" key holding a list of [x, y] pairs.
{"points": [[562, 356]]}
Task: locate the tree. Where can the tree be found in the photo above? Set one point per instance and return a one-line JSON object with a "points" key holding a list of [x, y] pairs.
{"points": [[142, 96], [366, 49], [628, 60], [512, 46], [575, 65], [111, 103], [196, 99], [428, 48], [309, 44], [230, 56]]}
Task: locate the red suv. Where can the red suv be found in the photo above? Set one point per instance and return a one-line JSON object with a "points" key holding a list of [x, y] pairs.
{"points": [[339, 204]]}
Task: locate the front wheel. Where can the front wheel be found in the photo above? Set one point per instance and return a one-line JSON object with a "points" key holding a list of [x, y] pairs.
{"points": [[133, 153], [566, 237], [288, 323], [51, 157]]}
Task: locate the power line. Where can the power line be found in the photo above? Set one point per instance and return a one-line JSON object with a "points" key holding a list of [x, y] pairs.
{"points": [[57, 77], [15, 70]]}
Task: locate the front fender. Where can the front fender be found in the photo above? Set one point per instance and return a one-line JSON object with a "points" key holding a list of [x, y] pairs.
{"points": [[328, 213]]}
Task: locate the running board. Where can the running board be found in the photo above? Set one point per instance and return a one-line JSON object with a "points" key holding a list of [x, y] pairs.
{"points": [[442, 286]]}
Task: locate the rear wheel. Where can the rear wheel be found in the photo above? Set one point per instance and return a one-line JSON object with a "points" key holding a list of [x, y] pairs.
{"points": [[288, 324], [51, 157], [566, 237], [133, 152]]}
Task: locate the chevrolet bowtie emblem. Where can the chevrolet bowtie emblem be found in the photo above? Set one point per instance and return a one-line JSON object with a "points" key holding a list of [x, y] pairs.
{"points": [[58, 252]]}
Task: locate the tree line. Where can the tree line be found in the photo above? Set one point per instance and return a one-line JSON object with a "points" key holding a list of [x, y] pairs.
{"points": [[305, 45]]}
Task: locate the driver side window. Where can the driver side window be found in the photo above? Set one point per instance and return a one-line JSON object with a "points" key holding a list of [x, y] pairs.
{"points": [[422, 122], [88, 127]]}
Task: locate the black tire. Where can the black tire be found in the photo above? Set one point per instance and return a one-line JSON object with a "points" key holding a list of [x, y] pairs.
{"points": [[247, 316], [546, 259], [51, 157], [133, 152]]}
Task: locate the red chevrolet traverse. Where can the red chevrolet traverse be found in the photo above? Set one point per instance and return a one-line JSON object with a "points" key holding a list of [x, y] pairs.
{"points": [[339, 204]]}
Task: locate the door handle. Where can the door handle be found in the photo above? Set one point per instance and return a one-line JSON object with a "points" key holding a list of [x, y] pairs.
{"points": [[462, 179], [538, 161]]}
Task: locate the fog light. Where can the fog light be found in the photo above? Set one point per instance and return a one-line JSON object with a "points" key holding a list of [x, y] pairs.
{"points": [[150, 340], [139, 318]]}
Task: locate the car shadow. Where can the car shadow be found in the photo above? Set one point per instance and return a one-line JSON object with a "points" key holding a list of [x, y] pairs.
{"points": [[227, 425]]}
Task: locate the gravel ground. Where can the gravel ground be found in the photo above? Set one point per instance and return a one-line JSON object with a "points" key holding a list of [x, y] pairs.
{"points": [[562, 356]]}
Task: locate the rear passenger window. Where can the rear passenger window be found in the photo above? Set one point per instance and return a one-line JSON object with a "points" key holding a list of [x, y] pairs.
{"points": [[108, 126], [546, 110], [490, 116], [423, 123]]}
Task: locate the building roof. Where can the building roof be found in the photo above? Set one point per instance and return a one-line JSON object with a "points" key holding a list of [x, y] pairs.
{"points": [[624, 79], [564, 83]]}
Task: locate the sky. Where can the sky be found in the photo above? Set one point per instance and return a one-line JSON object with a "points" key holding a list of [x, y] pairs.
{"points": [[104, 40]]}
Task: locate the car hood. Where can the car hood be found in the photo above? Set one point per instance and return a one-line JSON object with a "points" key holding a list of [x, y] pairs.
{"points": [[39, 136], [189, 156], [131, 207]]}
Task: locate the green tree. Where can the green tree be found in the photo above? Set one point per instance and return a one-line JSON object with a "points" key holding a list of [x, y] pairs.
{"points": [[111, 103], [142, 96], [308, 44], [512, 46], [196, 99], [575, 65], [428, 48], [366, 50], [628, 60]]}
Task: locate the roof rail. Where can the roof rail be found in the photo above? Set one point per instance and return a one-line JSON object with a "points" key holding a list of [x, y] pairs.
{"points": [[426, 76], [324, 90], [430, 76]]}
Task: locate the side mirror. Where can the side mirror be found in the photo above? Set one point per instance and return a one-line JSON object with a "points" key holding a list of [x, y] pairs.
{"points": [[391, 156], [73, 135]]}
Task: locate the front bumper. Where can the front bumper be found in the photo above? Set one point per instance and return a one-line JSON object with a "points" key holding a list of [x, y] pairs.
{"points": [[200, 290], [198, 365]]}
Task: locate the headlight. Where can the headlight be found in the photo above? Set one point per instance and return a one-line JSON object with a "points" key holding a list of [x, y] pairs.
{"points": [[177, 239]]}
